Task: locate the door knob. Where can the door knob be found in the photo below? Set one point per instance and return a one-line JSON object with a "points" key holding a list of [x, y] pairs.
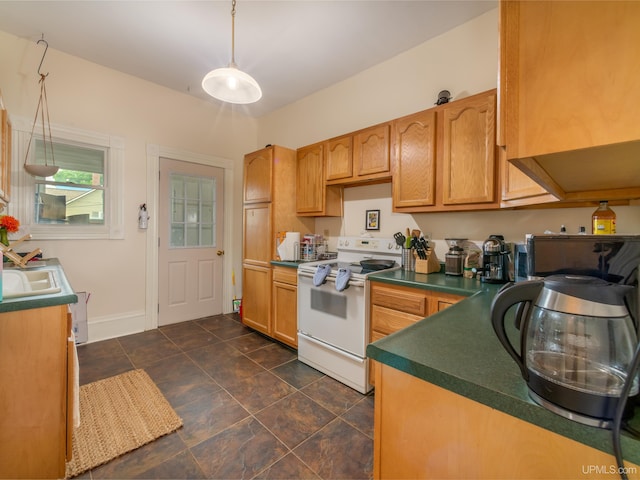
{"points": [[220, 253]]}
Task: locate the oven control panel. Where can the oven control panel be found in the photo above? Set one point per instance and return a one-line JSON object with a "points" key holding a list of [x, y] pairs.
{"points": [[372, 245]]}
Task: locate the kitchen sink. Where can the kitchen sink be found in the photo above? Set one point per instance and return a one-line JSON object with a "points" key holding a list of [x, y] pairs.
{"points": [[19, 283]]}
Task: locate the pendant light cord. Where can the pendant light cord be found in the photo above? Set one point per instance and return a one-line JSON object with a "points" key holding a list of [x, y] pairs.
{"points": [[233, 33]]}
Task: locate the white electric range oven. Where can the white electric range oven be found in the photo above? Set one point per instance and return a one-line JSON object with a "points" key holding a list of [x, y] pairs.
{"points": [[333, 323]]}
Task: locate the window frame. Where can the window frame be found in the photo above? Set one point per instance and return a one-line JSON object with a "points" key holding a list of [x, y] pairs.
{"points": [[25, 184]]}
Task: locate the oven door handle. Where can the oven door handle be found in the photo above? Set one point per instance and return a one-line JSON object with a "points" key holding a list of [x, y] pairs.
{"points": [[355, 283], [344, 353]]}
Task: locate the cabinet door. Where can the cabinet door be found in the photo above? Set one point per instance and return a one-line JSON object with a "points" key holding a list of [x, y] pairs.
{"points": [[285, 313], [33, 393], [372, 152], [310, 179], [414, 176], [469, 161], [257, 242], [258, 176], [566, 74], [339, 158], [256, 308], [313, 197]]}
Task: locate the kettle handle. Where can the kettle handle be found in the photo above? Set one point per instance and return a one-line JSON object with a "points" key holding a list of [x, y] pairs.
{"points": [[508, 296]]}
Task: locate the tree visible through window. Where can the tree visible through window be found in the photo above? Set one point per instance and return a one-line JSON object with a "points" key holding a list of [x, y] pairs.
{"points": [[76, 193]]}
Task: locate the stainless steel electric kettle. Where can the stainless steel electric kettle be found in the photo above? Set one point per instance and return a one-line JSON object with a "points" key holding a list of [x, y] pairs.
{"points": [[577, 342]]}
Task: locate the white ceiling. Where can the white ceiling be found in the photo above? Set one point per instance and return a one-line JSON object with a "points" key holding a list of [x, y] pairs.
{"points": [[292, 48]]}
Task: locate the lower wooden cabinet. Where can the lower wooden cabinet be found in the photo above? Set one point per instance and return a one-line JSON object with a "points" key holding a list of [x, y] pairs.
{"points": [[256, 307], [424, 431], [285, 305], [394, 307], [36, 392]]}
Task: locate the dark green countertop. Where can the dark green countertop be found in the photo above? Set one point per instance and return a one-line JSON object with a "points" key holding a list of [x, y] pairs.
{"points": [[64, 297], [458, 350]]}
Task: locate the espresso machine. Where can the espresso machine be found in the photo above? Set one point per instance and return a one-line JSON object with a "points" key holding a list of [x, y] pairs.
{"points": [[495, 260]]}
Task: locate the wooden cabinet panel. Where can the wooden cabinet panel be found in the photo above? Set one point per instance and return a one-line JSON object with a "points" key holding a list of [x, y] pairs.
{"points": [[33, 393], [285, 305], [257, 245], [309, 180], [414, 175], [360, 157], [424, 431], [313, 196], [339, 158], [567, 71], [372, 151], [386, 320], [469, 151], [256, 305], [273, 169], [285, 275], [446, 157], [394, 307], [404, 299], [258, 176], [440, 301], [5, 155]]}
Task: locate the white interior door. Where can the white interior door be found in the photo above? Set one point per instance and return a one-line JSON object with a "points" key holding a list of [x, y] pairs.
{"points": [[190, 241]]}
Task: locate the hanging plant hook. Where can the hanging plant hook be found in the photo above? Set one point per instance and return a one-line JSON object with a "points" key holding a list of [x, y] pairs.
{"points": [[46, 47]]}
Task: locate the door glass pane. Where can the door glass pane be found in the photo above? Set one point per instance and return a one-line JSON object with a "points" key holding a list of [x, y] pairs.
{"points": [[192, 211]]}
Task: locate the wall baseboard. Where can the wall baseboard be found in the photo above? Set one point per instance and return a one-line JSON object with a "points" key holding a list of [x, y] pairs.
{"points": [[104, 328]]}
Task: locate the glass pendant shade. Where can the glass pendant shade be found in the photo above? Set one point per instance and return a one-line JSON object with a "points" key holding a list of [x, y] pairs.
{"points": [[231, 85]]}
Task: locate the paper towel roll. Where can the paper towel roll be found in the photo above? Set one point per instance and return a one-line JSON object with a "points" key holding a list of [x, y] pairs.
{"points": [[291, 243]]}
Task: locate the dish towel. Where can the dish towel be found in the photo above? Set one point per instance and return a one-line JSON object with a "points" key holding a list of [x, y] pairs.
{"points": [[320, 276], [342, 279]]}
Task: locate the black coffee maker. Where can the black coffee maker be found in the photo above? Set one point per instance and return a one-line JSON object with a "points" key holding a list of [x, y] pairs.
{"points": [[495, 260]]}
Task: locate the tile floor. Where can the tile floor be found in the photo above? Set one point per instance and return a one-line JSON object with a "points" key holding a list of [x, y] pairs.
{"points": [[250, 408]]}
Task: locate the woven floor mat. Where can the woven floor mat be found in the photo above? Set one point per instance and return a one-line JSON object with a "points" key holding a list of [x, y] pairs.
{"points": [[118, 415]]}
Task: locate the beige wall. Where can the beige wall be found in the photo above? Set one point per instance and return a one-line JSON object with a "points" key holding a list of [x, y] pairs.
{"points": [[86, 96]]}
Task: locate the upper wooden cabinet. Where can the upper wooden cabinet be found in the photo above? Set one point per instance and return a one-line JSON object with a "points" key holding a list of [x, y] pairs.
{"points": [[258, 176], [360, 157], [414, 176], [313, 196], [469, 161], [445, 157], [339, 159], [567, 90]]}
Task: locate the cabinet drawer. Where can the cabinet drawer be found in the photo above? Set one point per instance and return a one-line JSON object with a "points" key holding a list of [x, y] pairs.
{"points": [[385, 320], [406, 300], [285, 275]]}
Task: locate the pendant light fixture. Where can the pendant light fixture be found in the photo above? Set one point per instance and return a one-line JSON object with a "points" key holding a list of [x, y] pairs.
{"points": [[230, 84], [45, 170]]}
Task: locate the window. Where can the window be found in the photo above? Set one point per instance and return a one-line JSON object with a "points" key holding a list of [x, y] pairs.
{"points": [[192, 211], [75, 194], [84, 198]]}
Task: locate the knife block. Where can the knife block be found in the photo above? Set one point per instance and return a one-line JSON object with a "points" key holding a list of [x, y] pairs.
{"points": [[430, 265]]}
